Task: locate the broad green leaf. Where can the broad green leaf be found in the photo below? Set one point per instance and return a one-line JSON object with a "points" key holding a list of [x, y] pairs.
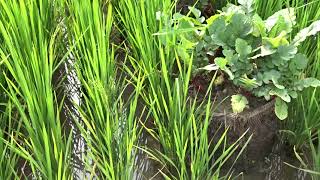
{"points": [[218, 26], [211, 19], [178, 16], [232, 9], [275, 42], [273, 76], [185, 24], [221, 62], [313, 29], [217, 32], [282, 93], [196, 12], [186, 43], [293, 94], [298, 63], [266, 50], [287, 14], [259, 28], [228, 53], [247, 4], [270, 45], [262, 92], [307, 82], [241, 25], [183, 53], [282, 25], [238, 103], [242, 47], [281, 109], [287, 52], [230, 56]]}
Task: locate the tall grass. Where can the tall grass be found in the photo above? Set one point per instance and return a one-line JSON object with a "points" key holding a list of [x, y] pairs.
{"points": [[109, 125], [28, 51]]}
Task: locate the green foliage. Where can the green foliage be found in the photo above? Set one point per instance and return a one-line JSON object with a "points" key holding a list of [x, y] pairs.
{"points": [[238, 103], [9, 159], [180, 124], [281, 109], [108, 124], [258, 54], [30, 56]]}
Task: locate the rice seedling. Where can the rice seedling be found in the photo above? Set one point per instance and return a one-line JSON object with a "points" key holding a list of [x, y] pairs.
{"points": [[28, 52], [107, 123]]}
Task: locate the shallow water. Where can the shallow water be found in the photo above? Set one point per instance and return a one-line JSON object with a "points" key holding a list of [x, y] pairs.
{"points": [[147, 168]]}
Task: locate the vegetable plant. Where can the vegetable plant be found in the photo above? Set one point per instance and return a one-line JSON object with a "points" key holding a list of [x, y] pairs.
{"points": [[258, 55]]}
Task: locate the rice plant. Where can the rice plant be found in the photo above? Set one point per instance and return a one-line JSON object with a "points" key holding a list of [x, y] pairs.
{"points": [[30, 31], [181, 125], [107, 123], [310, 159]]}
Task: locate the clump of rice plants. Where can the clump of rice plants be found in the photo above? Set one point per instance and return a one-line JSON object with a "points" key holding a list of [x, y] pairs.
{"points": [[107, 123], [28, 52], [181, 124]]}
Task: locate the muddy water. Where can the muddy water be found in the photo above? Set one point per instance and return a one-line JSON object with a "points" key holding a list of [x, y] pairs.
{"points": [[273, 166]]}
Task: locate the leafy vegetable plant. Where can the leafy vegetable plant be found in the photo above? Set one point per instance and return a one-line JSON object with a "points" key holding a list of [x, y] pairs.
{"points": [[258, 55]]}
